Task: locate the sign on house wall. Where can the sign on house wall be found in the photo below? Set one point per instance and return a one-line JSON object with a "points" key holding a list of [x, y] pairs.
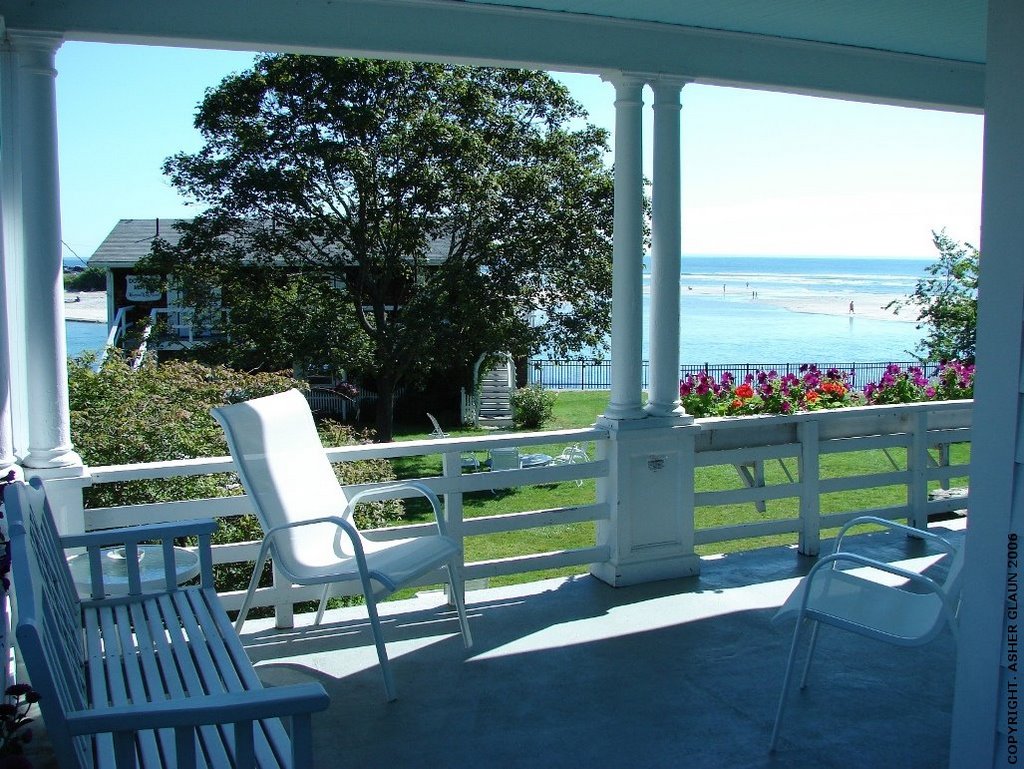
{"points": [[136, 291]]}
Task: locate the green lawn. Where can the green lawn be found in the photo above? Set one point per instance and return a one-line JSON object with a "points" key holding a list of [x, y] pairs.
{"points": [[579, 409]]}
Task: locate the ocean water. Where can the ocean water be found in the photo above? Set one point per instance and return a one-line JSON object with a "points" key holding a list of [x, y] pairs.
{"points": [[733, 326], [84, 337]]}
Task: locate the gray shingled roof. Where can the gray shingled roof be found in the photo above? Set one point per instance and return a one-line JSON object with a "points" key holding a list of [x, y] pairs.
{"points": [[131, 239]]}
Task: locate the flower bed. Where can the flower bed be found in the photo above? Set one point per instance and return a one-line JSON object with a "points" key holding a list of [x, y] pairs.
{"points": [[768, 392]]}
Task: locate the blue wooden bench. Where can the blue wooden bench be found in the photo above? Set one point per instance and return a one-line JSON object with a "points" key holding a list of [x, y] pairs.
{"points": [[157, 679]]}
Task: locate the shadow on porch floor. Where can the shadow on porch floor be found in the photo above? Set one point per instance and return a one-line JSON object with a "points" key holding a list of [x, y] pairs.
{"points": [[573, 673]]}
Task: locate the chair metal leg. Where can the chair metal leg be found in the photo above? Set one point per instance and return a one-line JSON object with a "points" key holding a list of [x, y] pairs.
{"points": [[378, 640], [323, 605], [785, 684], [261, 561], [458, 588], [815, 626]]}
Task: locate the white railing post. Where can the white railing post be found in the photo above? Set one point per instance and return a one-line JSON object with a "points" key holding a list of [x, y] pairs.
{"points": [[917, 464], [451, 463], [284, 611], [810, 499]]}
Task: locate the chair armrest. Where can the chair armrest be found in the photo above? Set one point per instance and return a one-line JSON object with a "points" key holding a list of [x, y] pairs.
{"points": [[135, 534], [383, 492], [893, 526], [913, 576], [225, 708]]}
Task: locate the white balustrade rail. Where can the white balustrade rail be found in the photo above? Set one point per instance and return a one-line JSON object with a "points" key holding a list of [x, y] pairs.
{"points": [[798, 442], [805, 439], [452, 484]]}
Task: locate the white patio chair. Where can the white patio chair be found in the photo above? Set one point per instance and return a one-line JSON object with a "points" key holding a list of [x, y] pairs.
{"points": [[505, 459], [307, 516], [910, 613], [571, 455], [466, 459]]}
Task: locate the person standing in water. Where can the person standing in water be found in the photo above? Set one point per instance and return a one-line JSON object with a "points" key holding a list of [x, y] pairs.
{"points": [[851, 307]]}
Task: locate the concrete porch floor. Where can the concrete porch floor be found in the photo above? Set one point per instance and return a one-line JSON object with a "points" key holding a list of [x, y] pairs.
{"points": [[574, 673]]}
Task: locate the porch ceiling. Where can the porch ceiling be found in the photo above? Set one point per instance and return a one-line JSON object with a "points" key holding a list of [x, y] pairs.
{"points": [[945, 29], [913, 52]]}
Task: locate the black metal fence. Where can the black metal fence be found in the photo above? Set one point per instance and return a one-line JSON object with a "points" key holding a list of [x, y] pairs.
{"points": [[596, 374]]}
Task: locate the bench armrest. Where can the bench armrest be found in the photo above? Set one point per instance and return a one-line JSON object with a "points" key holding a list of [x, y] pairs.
{"points": [[135, 534], [233, 707]]}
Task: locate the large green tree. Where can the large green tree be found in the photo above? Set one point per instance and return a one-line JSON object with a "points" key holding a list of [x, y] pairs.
{"points": [[946, 301], [395, 219]]}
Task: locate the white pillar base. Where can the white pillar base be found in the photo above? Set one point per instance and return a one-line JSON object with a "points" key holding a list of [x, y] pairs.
{"points": [[64, 493], [649, 490], [53, 459]]}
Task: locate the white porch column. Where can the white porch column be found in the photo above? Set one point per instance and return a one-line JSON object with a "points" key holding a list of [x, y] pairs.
{"points": [[8, 179], [44, 347], [663, 393], [7, 459], [988, 729], [627, 255]]}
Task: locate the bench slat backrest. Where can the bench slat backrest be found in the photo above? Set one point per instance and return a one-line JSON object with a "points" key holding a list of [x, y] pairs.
{"points": [[49, 617]]}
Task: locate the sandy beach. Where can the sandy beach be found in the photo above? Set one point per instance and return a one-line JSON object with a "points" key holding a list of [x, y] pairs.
{"points": [[87, 306], [865, 305]]}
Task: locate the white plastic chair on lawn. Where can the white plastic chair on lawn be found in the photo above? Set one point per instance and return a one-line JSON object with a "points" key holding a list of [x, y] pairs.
{"points": [[910, 613], [467, 460], [572, 455], [307, 516], [505, 459]]}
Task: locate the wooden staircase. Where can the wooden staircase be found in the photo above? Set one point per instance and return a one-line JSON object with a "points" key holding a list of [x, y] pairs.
{"points": [[495, 406]]}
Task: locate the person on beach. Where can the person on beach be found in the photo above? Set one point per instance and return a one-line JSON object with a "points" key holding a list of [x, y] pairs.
{"points": [[851, 307]]}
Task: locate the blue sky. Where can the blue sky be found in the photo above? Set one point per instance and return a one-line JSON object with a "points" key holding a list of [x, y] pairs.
{"points": [[763, 173]]}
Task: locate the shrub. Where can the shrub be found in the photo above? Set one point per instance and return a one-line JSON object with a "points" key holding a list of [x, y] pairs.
{"points": [[89, 279], [532, 406]]}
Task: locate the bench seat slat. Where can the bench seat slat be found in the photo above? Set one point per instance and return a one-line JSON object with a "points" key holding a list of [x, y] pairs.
{"points": [[271, 740], [214, 666]]}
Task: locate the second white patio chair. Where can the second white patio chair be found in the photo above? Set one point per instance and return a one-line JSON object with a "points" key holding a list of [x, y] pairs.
{"points": [[572, 455], [883, 601], [467, 460], [307, 516]]}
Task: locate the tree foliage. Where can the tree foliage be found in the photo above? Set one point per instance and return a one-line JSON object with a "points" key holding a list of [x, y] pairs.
{"points": [[946, 300], [395, 219]]}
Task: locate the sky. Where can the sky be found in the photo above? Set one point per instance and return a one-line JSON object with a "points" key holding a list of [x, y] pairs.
{"points": [[763, 173]]}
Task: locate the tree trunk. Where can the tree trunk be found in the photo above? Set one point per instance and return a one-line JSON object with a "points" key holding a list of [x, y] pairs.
{"points": [[385, 408]]}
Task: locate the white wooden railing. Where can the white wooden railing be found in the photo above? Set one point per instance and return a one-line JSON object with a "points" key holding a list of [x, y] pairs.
{"points": [[797, 445]]}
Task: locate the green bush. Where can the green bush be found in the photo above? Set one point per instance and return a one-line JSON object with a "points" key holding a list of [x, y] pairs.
{"points": [[89, 279], [532, 406]]}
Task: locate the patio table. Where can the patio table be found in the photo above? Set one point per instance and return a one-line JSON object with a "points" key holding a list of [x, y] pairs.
{"points": [[534, 460], [151, 568]]}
